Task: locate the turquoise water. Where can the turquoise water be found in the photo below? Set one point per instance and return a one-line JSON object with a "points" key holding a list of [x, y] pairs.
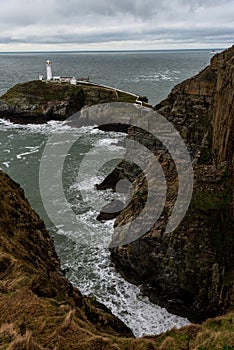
{"points": [[84, 250]]}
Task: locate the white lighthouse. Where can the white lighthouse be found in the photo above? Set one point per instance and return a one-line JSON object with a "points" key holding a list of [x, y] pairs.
{"points": [[49, 70]]}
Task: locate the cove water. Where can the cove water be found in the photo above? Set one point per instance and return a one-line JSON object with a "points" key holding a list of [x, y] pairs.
{"points": [[85, 251]]}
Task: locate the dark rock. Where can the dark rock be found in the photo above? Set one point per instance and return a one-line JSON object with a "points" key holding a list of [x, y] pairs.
{"points": [[55, 314], [110, 211], [39, 102], [115, 127], [143, 99], [40, 309], [124, 169], [190, 270]]}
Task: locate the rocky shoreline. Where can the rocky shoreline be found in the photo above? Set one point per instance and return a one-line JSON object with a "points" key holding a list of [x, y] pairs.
{"points": [[189, 271], [37, 102]]}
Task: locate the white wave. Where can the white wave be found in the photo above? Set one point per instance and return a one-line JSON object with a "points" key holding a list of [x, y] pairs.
{"points": [[7, 164], [111, 143], [169, 75], [31, 151], [85, 250], [50, 126], [90, 269], [95, 276]]}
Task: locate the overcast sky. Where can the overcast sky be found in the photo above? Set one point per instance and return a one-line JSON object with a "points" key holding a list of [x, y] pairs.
{"points": [[115, 24]]}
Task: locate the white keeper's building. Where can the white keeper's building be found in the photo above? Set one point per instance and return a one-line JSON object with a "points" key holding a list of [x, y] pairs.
{"points": [[50, 77]]}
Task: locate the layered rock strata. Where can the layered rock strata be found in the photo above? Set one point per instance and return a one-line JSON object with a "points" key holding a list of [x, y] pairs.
{"points": [[189, 270]]}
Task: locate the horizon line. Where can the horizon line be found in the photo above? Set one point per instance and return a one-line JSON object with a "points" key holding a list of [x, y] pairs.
{"points": [[120, 50]]}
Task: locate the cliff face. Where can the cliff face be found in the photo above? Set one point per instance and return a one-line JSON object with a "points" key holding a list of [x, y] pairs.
{"points": [[38, 304], [40, 309], [38, 102], [201, 108], [190, 270], [185, 271], [223, 123]]}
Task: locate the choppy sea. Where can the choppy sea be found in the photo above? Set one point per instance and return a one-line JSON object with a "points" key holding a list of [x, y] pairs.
{"points": [[84, 251]]}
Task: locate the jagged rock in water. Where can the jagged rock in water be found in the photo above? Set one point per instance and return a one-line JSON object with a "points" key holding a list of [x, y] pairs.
{"points": [[110, 211]]}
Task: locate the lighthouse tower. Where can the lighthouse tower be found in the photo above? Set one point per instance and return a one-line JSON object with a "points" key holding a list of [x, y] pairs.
{"points": [[49, 70]]}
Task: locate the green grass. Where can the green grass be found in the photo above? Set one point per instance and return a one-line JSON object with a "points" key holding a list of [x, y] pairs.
{"points": [[41, 90], [124, 97]]}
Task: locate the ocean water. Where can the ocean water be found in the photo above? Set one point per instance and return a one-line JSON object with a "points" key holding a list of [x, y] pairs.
{"points": [[147, 73], [84, 250]]}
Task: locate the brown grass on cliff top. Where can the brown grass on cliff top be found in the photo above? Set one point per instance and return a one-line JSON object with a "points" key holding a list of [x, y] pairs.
{"points": [[41, 310]]}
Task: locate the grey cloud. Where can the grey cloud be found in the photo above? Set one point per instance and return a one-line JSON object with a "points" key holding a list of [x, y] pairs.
{"points": [[103, 21], [179, 36], [136, 8]]}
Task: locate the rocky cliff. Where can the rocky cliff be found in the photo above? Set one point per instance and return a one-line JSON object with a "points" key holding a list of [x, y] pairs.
{"points": [[190, 270], [40, 309], [38, 304], [202, 108], [39, 102]]}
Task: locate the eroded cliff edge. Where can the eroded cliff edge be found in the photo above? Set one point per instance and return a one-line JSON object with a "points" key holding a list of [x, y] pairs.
{"points": [[190, 270]]}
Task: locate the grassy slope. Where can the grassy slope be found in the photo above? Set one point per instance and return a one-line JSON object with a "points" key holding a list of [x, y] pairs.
{"points": [[41, 310]]}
